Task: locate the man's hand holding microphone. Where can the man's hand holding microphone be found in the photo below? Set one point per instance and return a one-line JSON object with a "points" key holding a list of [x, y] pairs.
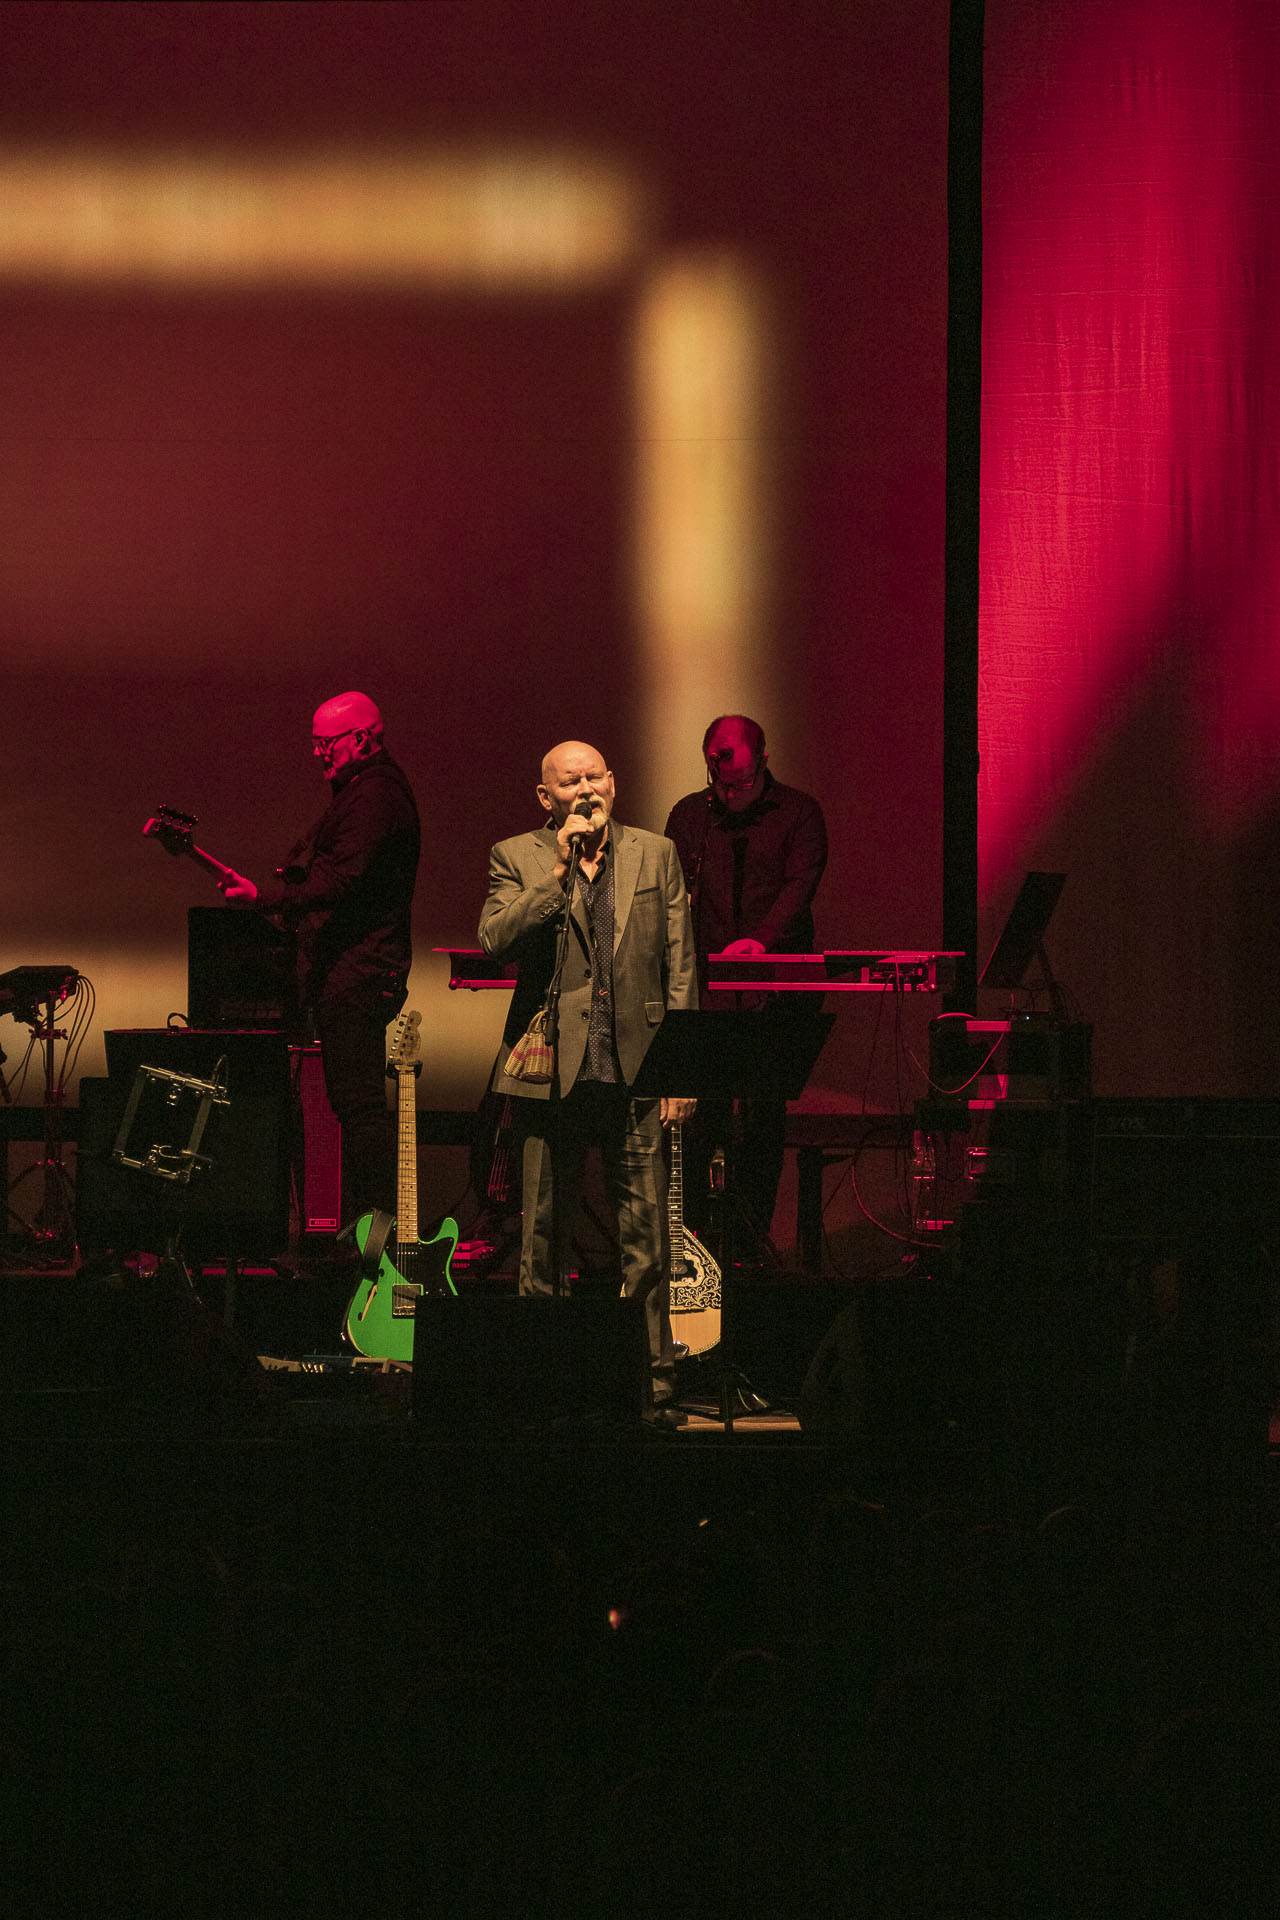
{"points": [[583, 829]]}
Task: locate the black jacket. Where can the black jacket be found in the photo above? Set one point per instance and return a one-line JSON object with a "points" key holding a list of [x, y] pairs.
{"points": [[347, 886], [753, 874]]}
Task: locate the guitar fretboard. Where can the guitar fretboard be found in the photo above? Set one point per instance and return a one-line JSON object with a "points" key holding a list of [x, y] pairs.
{"points": [[675, 1185], [406, 1158]]}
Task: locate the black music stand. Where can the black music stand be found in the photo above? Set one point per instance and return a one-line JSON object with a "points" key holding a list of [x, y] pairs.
{"points": [[1022, 940], [731, 1055]]}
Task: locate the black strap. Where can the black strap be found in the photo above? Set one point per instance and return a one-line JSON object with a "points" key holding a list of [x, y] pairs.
{"points": [[379, 1233]]}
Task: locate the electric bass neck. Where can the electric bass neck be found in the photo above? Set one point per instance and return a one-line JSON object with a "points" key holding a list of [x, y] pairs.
{"points": [[174, 831]]}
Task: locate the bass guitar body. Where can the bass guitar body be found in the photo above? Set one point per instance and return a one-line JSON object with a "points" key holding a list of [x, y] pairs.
{"points": [[379, 1321]]}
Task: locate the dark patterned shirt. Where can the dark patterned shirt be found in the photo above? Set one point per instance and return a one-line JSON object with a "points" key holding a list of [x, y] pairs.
{"points": [[601, 1063]]}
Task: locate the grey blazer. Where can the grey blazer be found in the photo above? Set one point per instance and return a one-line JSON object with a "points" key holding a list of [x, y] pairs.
{"points": [[653, 957]]}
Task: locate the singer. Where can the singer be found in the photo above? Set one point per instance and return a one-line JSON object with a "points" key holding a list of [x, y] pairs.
{"points": [[630, 958], [753, 852]]}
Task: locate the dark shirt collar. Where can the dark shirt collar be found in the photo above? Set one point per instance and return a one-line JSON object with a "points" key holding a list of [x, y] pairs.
{"points": [[603, 864]]}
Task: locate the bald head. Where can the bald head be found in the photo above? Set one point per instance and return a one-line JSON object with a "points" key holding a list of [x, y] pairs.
{"points": [[345, 712], [736, 756], [570, 771], [345, 729]]}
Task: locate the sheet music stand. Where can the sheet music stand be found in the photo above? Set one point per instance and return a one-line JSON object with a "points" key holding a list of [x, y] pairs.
{"points": [[1022, 939], [704, 1055]]}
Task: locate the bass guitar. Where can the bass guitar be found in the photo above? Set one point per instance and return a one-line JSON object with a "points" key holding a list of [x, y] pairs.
{"points": [[174, 831], [379, 1321], [695, 1277]]}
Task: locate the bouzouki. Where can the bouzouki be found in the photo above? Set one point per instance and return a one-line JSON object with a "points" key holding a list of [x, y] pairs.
{"points": [[695, 1277], [379, 1321]]}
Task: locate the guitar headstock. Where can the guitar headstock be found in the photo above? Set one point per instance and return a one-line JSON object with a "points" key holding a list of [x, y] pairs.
{"points": [[406, 1043], [172, 829]]}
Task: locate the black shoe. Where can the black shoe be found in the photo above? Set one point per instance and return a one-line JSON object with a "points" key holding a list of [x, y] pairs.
{"points": [[664, 1419]]}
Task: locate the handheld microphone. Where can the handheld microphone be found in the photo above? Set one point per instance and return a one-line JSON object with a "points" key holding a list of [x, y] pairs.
{"points": [[582, 808]]}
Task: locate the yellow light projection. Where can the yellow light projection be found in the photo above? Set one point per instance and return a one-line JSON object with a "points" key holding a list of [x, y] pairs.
{"points": [[499, 218], [502, 220], [704, 563]]}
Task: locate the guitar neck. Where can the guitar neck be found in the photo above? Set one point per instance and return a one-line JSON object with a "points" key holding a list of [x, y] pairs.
{"points": [[675, 1185], [210, 865], [406, 1158]]}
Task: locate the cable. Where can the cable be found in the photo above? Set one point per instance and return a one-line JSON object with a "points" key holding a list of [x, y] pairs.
{"points": [[936, 1087], [905, 1239]]}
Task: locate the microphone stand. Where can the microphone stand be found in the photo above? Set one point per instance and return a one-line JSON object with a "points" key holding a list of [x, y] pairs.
{"points": [[583, 809]]}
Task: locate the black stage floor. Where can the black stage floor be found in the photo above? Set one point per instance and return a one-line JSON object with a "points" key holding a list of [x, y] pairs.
{"points": [[278, 1640]]}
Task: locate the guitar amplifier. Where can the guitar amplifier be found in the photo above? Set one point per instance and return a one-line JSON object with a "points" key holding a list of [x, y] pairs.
{"points": [[241, 971], [1174, 1170], [319, 1183]]}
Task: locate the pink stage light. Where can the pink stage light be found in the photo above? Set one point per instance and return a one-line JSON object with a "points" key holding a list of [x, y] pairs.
{"points": [[1130, 510]]}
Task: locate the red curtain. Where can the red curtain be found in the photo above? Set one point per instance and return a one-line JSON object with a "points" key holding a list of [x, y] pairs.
{"points": [[1130, 691]]}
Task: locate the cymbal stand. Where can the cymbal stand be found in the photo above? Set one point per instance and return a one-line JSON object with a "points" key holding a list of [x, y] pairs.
{"points": [[51, 1234]]}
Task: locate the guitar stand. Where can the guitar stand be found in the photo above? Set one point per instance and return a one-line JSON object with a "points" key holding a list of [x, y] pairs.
{"points": [[736, 1396], [51, 1234], [731, 1054], [159, 1139]]}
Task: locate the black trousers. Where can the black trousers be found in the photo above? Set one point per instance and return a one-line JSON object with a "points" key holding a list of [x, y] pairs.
{"points": [[628, 1133], [352, 1030]]}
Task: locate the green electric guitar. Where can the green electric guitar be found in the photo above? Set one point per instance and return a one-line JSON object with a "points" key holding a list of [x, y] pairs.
{"points": [[380, 1317]]}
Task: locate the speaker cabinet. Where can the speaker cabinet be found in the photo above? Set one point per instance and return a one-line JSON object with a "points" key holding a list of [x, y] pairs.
{"points": [[320, 1182], [241, 972], [833, 1397], [1178, 1170], [505, 1362]]}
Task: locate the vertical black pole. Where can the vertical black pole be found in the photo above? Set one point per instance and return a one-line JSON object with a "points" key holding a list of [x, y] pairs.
{"points": [[964, 397]]}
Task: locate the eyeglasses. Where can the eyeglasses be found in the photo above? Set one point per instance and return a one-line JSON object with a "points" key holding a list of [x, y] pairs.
{"points": [[326, 742], [740, 785]]}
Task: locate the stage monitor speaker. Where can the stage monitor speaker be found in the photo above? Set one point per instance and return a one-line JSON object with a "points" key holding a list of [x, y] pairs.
{"points": [[502, 1363], [833, 1396], [240, 970], [118, 1355], [238, 1206]]}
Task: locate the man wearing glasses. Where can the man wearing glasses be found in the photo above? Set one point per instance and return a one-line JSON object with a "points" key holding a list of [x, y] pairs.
{"points": [[347, 888], [753, 852]]}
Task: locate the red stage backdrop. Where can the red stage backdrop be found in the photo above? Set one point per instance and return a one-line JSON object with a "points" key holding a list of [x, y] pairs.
{"points": [[1131, 520]]}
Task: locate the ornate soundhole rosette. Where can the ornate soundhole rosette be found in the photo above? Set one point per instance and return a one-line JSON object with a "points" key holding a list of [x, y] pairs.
{"points": [[695, 1295]]}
